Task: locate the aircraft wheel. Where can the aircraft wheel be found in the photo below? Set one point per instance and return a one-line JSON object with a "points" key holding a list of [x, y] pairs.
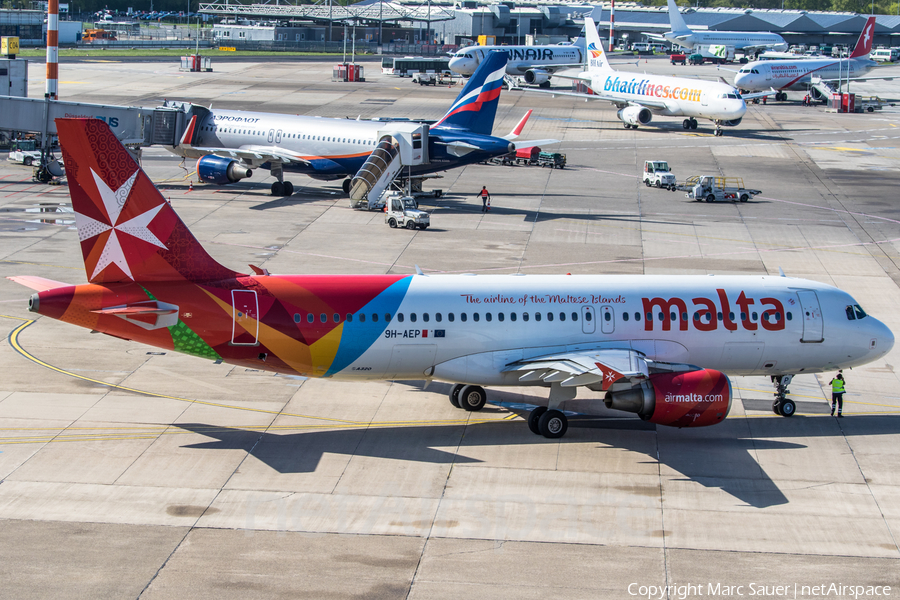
{"points": [[534, 419], [686, 123], [278, 189], [776, 407], [472, 398], [392, 222], [454, 394], [627, 125], [553, 424], [788, 408], [693, 123], [744, 197], [288, 188], [345, 185], [710, 198], [410, 224]]}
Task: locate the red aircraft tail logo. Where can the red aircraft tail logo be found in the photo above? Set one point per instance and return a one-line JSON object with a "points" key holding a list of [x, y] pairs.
{"points": [[864, 43], [128, 231]]}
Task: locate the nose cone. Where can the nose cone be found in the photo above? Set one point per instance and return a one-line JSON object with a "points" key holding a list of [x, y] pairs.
{"points": [[741, 80], [461, 65], [882, 340]]}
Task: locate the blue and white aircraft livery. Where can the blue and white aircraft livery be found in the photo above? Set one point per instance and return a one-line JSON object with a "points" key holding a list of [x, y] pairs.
{"points": [[535, 63], [749, 42], [797, 73], [230, 143], [639, 96]]}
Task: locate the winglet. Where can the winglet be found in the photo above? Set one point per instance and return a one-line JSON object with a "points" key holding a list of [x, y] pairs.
{"points": [[781, 272], [517, 130], [866, 37], [188, 135]]}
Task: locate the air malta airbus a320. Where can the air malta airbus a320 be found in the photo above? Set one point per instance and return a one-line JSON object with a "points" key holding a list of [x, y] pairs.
{"points": [[657, 346]]}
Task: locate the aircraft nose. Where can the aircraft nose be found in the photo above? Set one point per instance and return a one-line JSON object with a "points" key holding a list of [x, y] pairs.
{"points": [[883, 340]]}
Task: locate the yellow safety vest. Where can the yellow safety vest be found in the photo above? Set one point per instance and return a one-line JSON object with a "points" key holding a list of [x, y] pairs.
{"points": [[837, 386]]}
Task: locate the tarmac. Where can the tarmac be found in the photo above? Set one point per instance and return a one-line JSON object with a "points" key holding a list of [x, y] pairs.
{"points": [[128, 472]]}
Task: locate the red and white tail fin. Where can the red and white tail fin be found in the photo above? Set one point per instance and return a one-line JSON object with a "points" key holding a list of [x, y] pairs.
{"points": [[128, 231], [864, 43], [517, 130], [188, 135]]}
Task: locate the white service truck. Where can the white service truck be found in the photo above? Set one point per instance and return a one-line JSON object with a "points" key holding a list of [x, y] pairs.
{"points": [[657, 173], [25, 152], [718, 189], [403, 211]]}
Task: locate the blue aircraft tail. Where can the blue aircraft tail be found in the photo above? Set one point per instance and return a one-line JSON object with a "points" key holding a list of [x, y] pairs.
{"points": [[475, 107]]}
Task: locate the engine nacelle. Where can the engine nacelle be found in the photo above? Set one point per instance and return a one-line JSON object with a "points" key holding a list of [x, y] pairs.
{"points": [[219, 170], [687, 399], [536, 76], [635, 115]]}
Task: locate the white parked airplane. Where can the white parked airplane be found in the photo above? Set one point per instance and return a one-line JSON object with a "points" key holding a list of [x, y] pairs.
{"points": [[682, 35], [639, 95], [535, 63], [658, 346], [797, 74]]}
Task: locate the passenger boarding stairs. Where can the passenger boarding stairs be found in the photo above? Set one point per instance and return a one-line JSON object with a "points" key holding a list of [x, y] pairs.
{"points": [[824, 88], [375, 176]]}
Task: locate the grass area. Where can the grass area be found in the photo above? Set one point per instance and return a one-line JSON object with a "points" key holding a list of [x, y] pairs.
{"points": [[101, 51]]}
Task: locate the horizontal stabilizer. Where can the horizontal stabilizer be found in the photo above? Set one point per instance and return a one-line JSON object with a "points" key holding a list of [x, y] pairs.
{"points": [[151, 314], [38, 284]]}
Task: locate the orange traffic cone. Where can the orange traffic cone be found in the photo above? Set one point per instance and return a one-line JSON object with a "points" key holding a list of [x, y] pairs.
{"points": [[191, 186]]}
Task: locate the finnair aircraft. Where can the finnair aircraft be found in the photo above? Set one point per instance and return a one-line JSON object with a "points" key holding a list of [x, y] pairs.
{"points": [[639, 95], [797, 74], [230, 143], [535, 63], [682, 35], [661, 347]]}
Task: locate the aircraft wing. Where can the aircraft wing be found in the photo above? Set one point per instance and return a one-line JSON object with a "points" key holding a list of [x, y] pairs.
{"points": [[598, 368], [754, 95], [252, 154], [885, 78], [550, 68]]}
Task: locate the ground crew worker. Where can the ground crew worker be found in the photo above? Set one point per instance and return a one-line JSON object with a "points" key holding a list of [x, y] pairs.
{"points": [[485, 199], [837, 394]]}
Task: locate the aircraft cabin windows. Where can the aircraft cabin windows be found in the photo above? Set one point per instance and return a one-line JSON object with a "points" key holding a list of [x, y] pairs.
{"points": [[425, 317], [438, 317], [624, 316], [323, 318], [789, 316], [562, 316], [349, 318], [309, 317], [296, 317], [512, 317], [537, 316], [451, 317], [719, 316], [336, 318], [476, 317], [362, 317], [549, 316], [574, 316], [400, 317], [731, 317], [525, 317], [463, 317], [374, 317], [487, 316], [412, 317], [754, 316]]}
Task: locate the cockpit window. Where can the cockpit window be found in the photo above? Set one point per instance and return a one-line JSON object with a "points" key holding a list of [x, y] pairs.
{"points": [[744, 70], [730, 96], [854, 312], [754, 71]]}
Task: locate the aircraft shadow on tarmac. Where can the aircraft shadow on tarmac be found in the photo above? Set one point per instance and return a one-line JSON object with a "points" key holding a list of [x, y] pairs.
{"points": [[721, 457]]}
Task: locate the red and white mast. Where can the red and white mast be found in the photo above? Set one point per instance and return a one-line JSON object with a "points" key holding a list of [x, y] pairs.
{"points": [[52, 90], [612, 24]]}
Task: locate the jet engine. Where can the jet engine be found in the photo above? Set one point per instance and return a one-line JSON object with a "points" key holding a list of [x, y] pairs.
{"points": [[537, 77], [635, 115], [686, 399], [219, 170]]}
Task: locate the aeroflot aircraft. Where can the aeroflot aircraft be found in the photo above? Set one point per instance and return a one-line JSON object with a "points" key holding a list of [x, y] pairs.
{"points": [[230, 143], [658, 346], [682, 35], [639, 95], [796, 74], [535, 63]]}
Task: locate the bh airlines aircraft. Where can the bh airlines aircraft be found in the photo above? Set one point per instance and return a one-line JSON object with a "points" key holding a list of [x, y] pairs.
{"points": [[639, 95], [535, 63], [230, 143], [797, 74], [657, 346], [682, 35]]}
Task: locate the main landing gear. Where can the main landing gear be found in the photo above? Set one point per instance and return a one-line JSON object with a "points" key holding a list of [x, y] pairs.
{"points": [[783, 405], [549, 422], [689, 123], [281, 187]]}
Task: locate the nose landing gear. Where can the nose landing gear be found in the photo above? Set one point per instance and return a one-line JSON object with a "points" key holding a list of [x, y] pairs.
{"points": [[783, 405]]}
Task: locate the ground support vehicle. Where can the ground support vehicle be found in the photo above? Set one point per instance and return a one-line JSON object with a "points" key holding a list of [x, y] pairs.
{"points": [[425, 78], [870, 103], [695, 59], [25, 152], [522, 156], [554, 160], [717, 189], [403, 211], [678, 58], [657, 173]]}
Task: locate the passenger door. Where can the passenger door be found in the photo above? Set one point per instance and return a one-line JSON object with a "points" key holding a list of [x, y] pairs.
{"points": [[813, 325], [245, 325]]}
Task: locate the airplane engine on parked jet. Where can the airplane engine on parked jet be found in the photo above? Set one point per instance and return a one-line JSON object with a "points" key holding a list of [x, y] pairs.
{"points": [[537, 77], [686, 399], [219, 170], [635, 115]]}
